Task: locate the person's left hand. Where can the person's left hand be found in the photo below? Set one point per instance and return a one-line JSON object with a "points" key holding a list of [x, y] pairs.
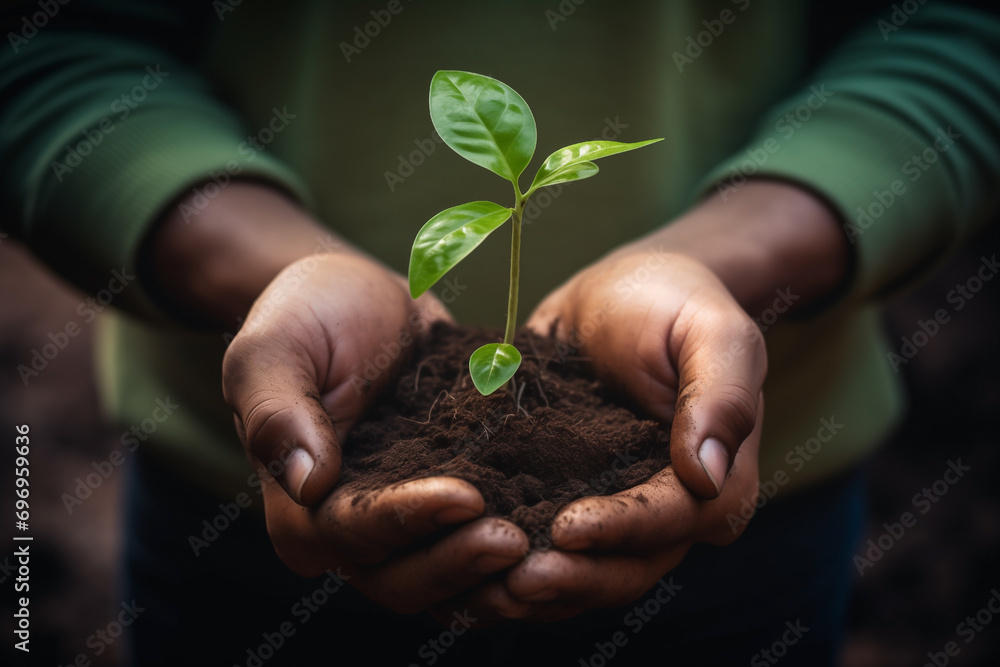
{"points": [[666, 331], [664, 319]]}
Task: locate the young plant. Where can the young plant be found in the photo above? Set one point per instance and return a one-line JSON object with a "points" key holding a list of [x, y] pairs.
{"points": [[488, 123]]}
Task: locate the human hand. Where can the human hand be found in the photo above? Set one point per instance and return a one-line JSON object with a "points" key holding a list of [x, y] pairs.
{"points": [[658, 319], [658, 326], [664, 330], [607, 551], [295, 378], [664, 319]]}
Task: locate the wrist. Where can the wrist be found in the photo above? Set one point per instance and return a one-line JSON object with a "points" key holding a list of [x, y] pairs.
{"points": [[208, 268], [765, 237]]}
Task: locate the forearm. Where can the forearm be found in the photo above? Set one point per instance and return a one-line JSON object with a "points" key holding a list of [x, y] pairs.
{"points": [[209, 268], [902, 142], [767, 236], [87, 169]]}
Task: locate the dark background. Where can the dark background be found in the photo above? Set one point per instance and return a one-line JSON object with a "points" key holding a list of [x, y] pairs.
{"points": [[906, 605]]}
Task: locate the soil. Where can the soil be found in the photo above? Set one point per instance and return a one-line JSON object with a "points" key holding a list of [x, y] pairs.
{"points": [[555, 435]]}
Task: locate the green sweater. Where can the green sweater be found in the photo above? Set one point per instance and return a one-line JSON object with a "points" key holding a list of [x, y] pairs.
{"points": [[111, 111]]}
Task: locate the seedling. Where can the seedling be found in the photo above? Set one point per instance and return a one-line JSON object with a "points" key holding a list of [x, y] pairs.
{"points": [[488, 123]]}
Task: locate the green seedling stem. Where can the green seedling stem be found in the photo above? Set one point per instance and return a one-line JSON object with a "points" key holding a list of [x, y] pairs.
{"points": [[488, 123]]}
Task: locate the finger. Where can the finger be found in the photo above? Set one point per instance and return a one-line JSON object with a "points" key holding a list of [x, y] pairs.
{"points": [[723, 519], [721, 363], [642, 519], [555, 579], [487, 603], [660, 513], [494, 602], [272, 387], [375, 523], [353, 527], [464, 558]]}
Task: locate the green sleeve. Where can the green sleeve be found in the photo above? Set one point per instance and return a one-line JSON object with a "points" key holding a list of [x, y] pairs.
{"points": [[899, 131], [104, 122]]}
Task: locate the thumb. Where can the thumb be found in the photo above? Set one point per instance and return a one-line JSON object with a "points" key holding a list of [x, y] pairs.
{"points": [[719, 404], [273, 391]]}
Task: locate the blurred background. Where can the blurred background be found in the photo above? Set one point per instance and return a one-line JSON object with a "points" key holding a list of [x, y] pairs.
{"points": [[908, 603]]}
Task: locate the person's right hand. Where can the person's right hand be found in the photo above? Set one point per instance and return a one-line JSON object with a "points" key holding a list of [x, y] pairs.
{"points": [[295, 378]]}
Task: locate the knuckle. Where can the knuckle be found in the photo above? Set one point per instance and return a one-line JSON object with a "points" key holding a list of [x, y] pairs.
{"points": [[737, 409], [256, 422]]}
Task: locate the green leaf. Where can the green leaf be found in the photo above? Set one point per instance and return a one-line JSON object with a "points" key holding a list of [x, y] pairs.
{"points": [[448, 237], [483, 120], [582, 153], [492, 365], [575, 171]]}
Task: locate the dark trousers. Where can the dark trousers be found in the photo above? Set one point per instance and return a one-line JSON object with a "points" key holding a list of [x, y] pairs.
{"points": [[777, 595]]}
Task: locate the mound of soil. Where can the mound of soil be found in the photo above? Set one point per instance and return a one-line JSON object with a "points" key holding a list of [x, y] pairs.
{"points": [[555, 435]]}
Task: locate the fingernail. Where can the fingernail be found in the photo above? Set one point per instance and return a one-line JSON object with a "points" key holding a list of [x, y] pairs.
{"points": [[457, 514], [297, 468], [715, 460], [490, 563]]}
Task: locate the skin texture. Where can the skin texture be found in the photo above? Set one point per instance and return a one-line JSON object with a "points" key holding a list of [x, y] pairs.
{"points": [[680, 300], [677, 302], [286, 375]]}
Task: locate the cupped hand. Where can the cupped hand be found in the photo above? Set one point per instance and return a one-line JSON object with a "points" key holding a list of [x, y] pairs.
{"points": [[663, 329], [321, 341]]}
